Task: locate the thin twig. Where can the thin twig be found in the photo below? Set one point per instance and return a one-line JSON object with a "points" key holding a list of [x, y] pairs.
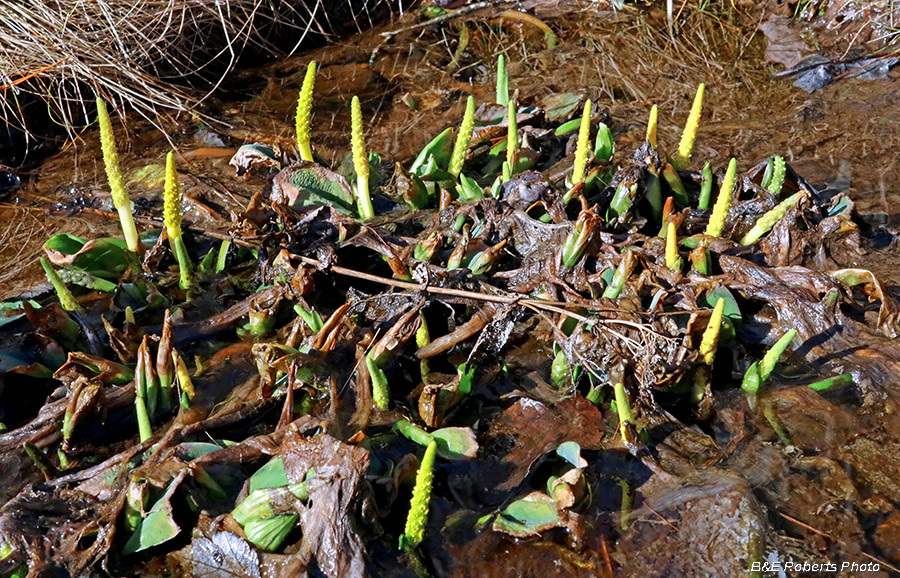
{"points": [[446, 17]]}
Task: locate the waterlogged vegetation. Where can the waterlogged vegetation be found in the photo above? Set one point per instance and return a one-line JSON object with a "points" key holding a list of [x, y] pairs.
{"points": [[397, 369]]}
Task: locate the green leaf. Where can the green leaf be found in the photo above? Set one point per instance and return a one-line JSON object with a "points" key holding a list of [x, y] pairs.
{"points": [[85, 279], [469, 188], [140, 295], [432, 171], [440, 147], [105, 257], [732, 313], [269, 533], [192, 450], [271, 475], [568, 127], [308, 184], [455, 443], [604, 146], [466, 378], [529, 516], [561, 106], [571, 452], [7, 320], [157, 527]]}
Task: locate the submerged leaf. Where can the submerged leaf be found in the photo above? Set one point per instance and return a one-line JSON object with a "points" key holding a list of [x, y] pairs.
{"points": [[571, 452], [455, 443], [529, 516], [307, 184]]}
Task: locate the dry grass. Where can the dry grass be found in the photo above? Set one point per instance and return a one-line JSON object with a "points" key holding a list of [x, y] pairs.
{"points": [[158, 56]]}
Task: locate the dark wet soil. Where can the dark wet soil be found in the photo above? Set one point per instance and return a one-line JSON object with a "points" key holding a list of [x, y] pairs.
{"points": [[799, 477]]}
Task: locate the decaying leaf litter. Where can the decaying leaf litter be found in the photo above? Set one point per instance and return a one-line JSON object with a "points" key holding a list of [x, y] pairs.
{"points": [[574, 369]]}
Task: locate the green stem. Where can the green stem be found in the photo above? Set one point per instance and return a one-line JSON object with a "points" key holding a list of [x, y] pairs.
{"points": [[706, 184], [413, 432], [623, 271], [66, 299], [623, 408], [145, 432], [184, 261], [222, 256], [512, 137], [836, 381]]}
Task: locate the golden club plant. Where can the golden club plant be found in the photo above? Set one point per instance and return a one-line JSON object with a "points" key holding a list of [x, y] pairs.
{"points": [[360, 162], [304, 112], [116, 180], [172, 210]]}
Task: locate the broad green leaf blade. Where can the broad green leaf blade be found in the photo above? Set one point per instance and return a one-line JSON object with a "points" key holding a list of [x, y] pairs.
{"points": [[105, 257], [271, 475], [571, 452], [85, 279], [455, 443], [269, 533], [307, 184], [192, 450], [440, 147], [529, 516], [157, 527]]}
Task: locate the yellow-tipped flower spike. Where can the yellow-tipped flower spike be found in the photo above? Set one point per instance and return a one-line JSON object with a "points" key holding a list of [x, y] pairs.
{"points": [[172, 199], [651, 126], [723, 202], [114, 176], [66, 299], [172, 219], [710, 341], [582, 150], [673, 259], [682, 158], [461, 146], [185, 384], [418, 508], [360, 162], [304, 111]]}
